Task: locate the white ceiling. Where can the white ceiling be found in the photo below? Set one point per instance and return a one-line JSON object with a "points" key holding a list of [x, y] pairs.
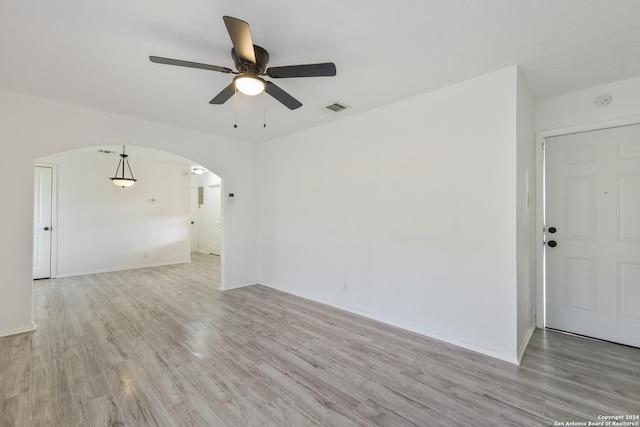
{"points": [[95, 54]]}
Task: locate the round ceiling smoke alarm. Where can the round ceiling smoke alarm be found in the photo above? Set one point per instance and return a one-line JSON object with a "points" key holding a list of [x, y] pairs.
{"points": [[602, 100]]}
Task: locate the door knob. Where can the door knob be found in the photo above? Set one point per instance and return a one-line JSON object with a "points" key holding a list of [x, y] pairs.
{"points": [[552, 230], [46, 229], [552, 243]]}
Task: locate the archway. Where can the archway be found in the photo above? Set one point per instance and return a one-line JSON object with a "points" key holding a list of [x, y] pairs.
{"points": [[33, 127], [99, 227]]}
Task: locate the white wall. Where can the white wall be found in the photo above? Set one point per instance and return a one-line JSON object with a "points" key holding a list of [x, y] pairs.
{"points": [[32, 127], [406, 214], [525, 209], [102, 227]]}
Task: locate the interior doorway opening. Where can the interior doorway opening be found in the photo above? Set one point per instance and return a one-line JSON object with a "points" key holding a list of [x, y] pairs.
{"points": [[206, 211], [43, 218], [98, 227]]}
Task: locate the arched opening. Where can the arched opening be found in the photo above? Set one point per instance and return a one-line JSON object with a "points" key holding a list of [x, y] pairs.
{"points": [[34, 128], [96, 226]]}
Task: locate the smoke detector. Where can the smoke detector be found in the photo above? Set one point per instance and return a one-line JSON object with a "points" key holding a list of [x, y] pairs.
{"points": [[602, 100]]}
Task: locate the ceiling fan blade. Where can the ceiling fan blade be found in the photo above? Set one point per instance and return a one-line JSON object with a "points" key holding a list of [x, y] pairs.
{"points": [[240, 34], [223, 96], [169, 61], [308, 70], [287, 100]]}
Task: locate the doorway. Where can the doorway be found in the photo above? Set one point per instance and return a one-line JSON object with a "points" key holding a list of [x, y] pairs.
{"points": [[214, 216], [43, 202], [592, 233], [206, 190]]}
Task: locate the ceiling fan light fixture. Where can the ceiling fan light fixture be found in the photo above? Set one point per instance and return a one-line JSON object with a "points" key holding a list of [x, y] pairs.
{"points": [[249, 84]]}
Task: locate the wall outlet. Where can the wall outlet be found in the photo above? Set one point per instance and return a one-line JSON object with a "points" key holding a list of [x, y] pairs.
{"points": [[145, 255]]}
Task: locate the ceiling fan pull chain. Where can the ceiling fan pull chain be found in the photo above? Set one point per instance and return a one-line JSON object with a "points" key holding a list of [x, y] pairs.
{"points": [[264, 104], [235, 108]]}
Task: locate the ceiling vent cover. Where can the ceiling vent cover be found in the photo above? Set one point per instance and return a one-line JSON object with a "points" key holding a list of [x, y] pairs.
{"points": [[336, 107]]}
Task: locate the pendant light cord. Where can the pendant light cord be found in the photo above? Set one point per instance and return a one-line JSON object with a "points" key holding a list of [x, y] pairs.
{"points": [[129, 166], [118, 168]]}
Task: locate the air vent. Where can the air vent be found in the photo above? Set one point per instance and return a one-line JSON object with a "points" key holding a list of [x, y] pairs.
{"points": [[106, 151], [336, 107]]}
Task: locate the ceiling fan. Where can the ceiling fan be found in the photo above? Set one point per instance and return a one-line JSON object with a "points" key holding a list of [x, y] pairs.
{"points": [[251, 62]]}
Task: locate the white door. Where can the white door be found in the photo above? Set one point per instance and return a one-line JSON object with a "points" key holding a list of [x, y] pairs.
{"points": [[194, 210], [42, 222], [216, 229], [592, 202], [203, 224]]}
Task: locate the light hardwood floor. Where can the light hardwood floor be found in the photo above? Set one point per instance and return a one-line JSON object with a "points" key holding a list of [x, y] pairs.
{"points": [[163, 346]]}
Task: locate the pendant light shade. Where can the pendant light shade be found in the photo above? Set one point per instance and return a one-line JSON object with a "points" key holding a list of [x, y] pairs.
{"points": [[120, 179]]}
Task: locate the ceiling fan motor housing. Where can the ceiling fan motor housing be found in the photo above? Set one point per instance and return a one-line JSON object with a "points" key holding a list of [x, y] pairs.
{"points": [[262, 59]]}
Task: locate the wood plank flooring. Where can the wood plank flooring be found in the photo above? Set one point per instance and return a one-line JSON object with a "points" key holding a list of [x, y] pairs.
{"points": [[164, 347]]}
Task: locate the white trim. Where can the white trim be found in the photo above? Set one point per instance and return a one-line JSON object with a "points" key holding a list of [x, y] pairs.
{"points": [[525, 343], [231, 287], [21, 330], [478, 349], [539, 233], [223, 207], [219, 187], [109, 270], [540, 137]]}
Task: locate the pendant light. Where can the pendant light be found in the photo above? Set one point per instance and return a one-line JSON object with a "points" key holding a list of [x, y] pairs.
{"points": [[121, 180]]}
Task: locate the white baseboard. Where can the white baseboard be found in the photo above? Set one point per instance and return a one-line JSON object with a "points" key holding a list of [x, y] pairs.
{"points": [[525, 342], [21, 330], [112, 269], [478, 349], [205, 252], [230, 287]]}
